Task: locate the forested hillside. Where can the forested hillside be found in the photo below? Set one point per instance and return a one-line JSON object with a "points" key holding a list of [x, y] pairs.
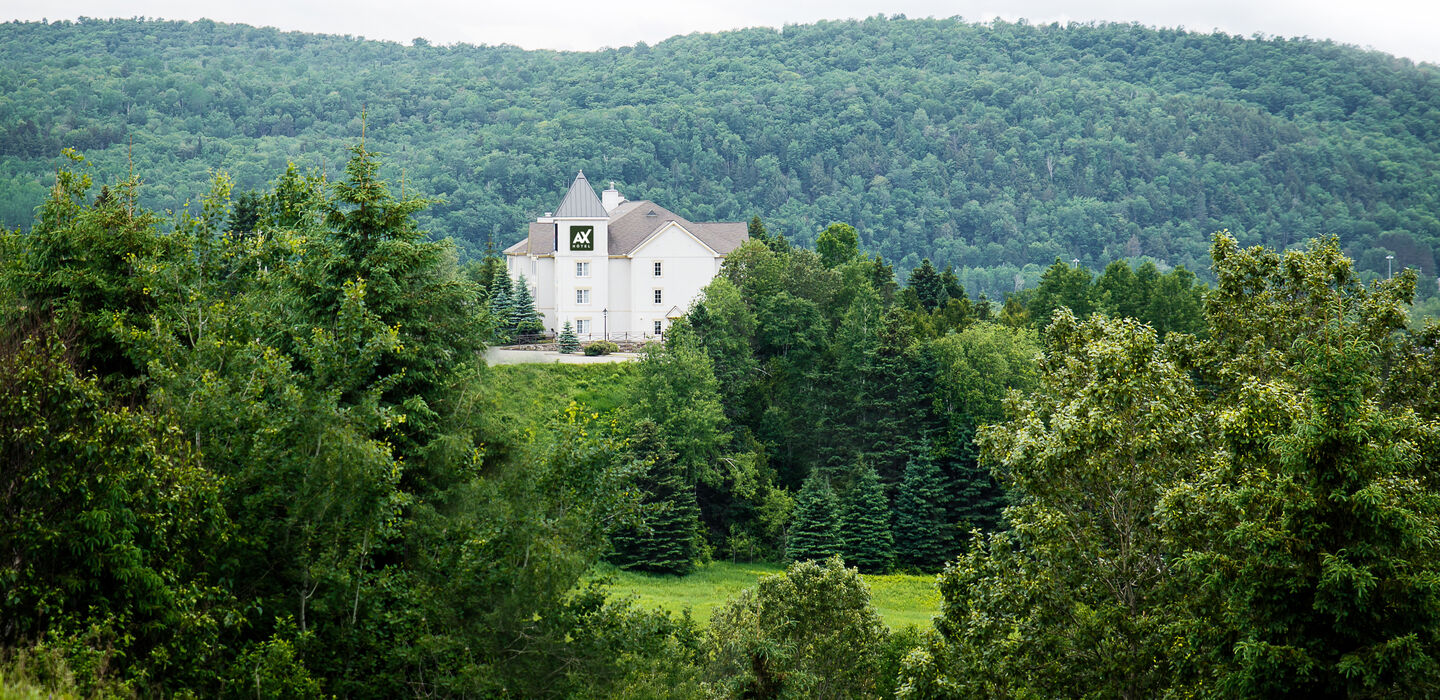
{"points": [[996, 148]]}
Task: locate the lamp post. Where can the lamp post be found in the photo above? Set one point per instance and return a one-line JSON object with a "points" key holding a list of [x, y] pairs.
{"points": [[1075, 263], [1390, 266], [605, 321]]}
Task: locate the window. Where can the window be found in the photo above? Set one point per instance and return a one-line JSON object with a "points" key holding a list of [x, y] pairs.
{"points": [[658, 268], [582, 326], [582, 296], [659, 325], [582, 269], [659, 296]]}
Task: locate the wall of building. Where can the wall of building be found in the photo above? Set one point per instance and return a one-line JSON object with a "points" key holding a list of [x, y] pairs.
{"points": [[686, 267], [623, 287]]}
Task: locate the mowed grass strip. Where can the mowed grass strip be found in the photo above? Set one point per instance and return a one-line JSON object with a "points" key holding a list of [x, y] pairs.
{"points": [[901, 600]]}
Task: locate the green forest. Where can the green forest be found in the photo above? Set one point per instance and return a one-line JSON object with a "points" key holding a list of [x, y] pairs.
{"points": [[256, 450], [250, 445], [994, 148]]}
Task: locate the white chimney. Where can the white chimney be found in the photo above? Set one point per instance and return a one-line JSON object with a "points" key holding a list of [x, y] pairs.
{"points": [[611, 198]]}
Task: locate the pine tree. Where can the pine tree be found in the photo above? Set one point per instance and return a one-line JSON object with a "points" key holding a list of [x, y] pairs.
{"points": [[921, 534], [524, 319], [865, 524], [815, 530], [568, 342], [665, 539]]}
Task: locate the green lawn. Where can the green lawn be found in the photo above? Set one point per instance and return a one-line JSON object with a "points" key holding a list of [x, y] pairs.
{"points": [[901, 599], [530, 394]]}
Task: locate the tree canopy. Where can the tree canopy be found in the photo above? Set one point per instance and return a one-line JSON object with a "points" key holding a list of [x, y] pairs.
{"points": [[994, 147]]}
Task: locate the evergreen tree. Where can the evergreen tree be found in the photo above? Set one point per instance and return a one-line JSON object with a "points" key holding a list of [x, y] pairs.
{"points": [[865, 524], [774, 241], [664, 540], [882, 278], [929, 287], [524, 319], [568, 342], [952, 285], [983, 308], [245, 217], [815, 530], [501, 308], [898, 408], [973, 499], [922, 537]]}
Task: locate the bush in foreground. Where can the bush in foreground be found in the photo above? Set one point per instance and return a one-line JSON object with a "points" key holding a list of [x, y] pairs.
{"points": [[601, 347], [808, 632]]}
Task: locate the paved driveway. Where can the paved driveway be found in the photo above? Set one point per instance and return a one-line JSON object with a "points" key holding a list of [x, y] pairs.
{"points": [[503, 356]]}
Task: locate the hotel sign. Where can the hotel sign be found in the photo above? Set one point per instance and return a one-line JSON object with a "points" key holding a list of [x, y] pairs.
{"points": [[582, 238]]}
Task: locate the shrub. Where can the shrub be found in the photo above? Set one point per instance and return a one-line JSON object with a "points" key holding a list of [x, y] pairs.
{"points": [[601, 347], [808, 632]]}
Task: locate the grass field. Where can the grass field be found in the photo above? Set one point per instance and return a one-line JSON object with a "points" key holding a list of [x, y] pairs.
{"points": [[902, 600]]}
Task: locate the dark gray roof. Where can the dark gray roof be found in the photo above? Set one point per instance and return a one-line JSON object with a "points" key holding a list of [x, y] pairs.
{"points": [[580, 202], [631, 224]]}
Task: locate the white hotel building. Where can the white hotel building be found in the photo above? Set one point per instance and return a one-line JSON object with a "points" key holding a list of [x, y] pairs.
{"points": [[618, 268]]}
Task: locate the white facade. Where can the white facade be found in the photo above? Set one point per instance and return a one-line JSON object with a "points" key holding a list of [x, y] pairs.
{"points": [[618, 269]]}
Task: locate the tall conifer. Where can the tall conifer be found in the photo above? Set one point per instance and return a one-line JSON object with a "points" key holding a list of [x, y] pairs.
{"points": [[665, 539], [929, 288], [815, 531], [501, 307], [865, 524], [524, 319], [921, 533]]}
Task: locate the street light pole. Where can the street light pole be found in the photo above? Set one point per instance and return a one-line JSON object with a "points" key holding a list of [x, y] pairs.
{"points": [[1389, 266], [605, 320], [1075, 263]]}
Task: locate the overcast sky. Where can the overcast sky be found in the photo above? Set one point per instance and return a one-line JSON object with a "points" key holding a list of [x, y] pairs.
{"points": [[1409, 28]]}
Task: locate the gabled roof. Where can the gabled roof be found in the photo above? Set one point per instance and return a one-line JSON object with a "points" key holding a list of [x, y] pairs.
{"points": [[633, 222], [580, 202], [630, 224]]}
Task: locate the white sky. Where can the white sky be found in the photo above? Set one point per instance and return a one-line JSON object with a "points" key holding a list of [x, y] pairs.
{"points": [[1409, 28]]}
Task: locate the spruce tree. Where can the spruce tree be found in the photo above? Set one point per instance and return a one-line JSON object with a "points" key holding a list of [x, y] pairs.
{"points": [[928, 285], [865, 524], [815, 530], [501, 308], [567, 340], [524, 319], [922, 538], [664, 539]]}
